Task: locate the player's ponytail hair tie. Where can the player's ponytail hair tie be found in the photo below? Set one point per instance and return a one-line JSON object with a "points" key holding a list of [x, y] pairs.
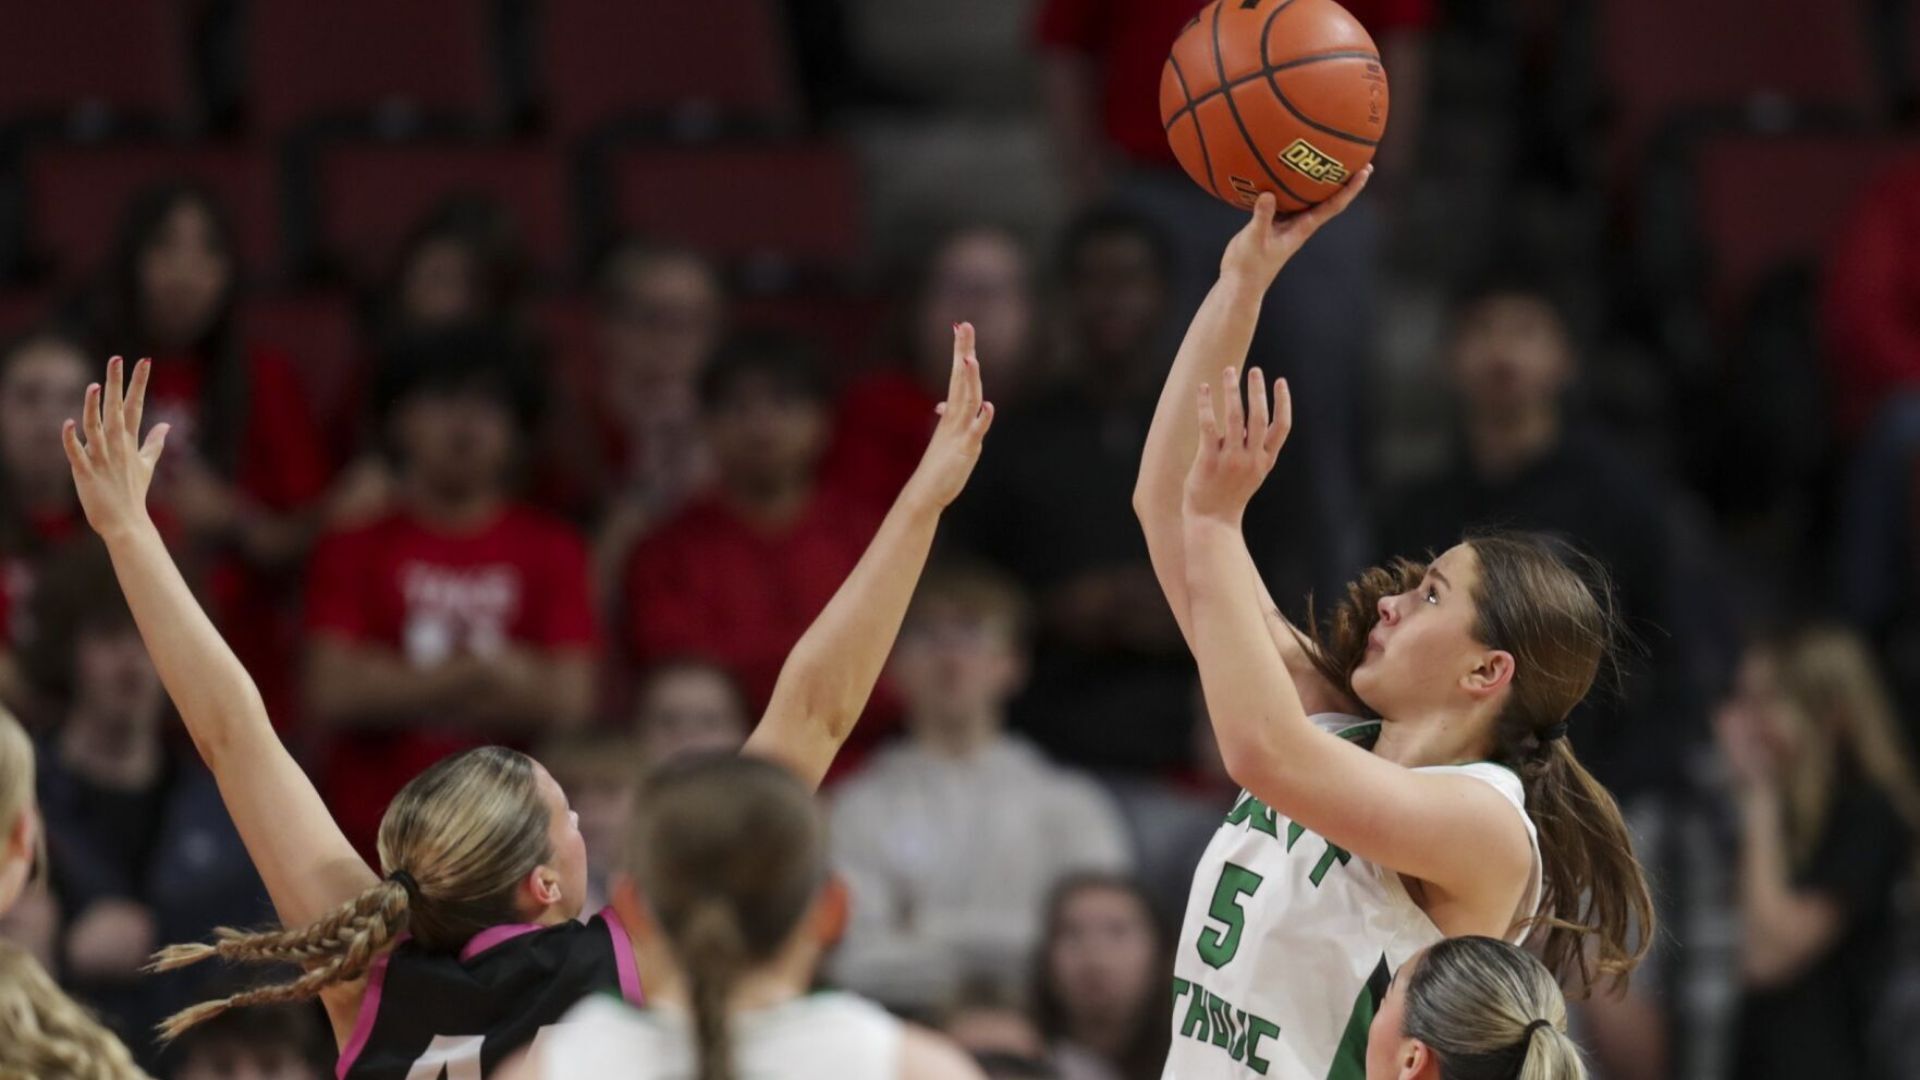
{"points": [[405, 881], [1526, 1037], [1553, 733]]}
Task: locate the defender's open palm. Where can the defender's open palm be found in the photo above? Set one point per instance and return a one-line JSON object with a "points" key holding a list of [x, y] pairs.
{"points": [[112, 468], [1237, 446], [964, 419]]}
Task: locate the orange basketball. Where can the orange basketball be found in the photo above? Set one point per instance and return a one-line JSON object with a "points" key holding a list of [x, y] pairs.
{"points": [[1286, 96]]}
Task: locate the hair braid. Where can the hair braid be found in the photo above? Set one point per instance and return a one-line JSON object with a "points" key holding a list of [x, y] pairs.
{"points": [[44, 1034], [338, 947]]}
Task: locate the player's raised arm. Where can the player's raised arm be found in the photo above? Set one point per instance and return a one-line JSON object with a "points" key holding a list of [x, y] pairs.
{"points": [[1219, 335], [305, 861], [827, 679], [1385, 813]]}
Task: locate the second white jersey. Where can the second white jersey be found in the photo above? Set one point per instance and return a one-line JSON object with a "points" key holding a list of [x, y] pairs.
{"points": [[826, 1036], [1289, 942]]}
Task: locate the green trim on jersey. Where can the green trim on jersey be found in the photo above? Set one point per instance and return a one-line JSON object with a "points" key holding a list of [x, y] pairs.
{"points": [[1350, 1058]]}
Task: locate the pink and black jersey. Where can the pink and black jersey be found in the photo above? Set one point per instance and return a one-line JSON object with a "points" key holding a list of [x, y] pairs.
{"points": [[442, 1014]]}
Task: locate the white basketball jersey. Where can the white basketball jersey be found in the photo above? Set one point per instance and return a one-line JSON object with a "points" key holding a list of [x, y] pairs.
{"points": [[820, 1036], [1289, 942]]}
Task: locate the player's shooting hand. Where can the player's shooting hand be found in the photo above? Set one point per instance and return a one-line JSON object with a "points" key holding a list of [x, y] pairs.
{"points": [[112, 468], [1237, 446], [1264, 244], [964, 419]]}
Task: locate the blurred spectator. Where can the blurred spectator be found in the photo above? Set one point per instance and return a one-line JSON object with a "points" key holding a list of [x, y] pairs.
{"points": [[1104, 1002], [976, 274], [738, 574], [273, 1042], [245, 468], [42, 377], [688, 707], [1053, 504], [1523, 462], [1872, 282], [464, 615], [951, 838], [463, 262], [141, 849], [1829, 812], [1172, 817], [600, 772], [661, 314]]}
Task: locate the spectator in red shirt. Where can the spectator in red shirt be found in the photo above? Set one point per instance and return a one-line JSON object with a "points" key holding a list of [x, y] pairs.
{"points": [[246, 482], [975, 273], [40, 374], [661, 314], [737, 575], [464, 616], [1101, 82]]}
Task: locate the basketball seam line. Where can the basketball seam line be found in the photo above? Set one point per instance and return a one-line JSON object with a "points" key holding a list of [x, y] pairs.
{"points": [[1267, 73], [1220, 68], [1200, 133]]}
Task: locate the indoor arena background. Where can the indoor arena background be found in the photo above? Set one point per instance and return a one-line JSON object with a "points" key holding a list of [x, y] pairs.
{"points": [[1643, 272]]}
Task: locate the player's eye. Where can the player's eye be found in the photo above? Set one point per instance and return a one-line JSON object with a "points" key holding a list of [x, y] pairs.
{"points": [[1433, 595]]}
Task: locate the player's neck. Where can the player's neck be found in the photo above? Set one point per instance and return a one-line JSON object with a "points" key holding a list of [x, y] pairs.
{"points": [[110, 753], [1503, 444], [1442, 738], [787, 977]]}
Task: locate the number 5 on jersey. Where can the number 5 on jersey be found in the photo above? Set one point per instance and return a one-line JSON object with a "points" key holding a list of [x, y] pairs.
{"points": [[1218, 946]]}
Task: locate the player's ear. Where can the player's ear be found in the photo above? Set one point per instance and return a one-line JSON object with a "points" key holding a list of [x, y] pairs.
{"points": [[1494, 671], [1417, 1062], [543, 883]]}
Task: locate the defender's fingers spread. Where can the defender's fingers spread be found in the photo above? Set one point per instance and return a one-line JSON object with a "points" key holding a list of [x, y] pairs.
{"points": [[983, 420], [1256, 401], [156, 442], [137, 394], [70, 439], [90, 415]]}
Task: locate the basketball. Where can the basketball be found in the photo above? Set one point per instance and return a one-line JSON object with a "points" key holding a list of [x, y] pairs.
{"points": [[1286, 96]]}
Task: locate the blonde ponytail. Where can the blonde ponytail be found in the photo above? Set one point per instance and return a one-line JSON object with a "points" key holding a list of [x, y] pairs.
{"points": [[1490, 1011], [337, 948], [43, 1034]]}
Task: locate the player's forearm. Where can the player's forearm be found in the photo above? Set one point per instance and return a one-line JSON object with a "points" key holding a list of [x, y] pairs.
{"points": [[1221, 332], [215, 696], [831, 672], [1251, 698]]}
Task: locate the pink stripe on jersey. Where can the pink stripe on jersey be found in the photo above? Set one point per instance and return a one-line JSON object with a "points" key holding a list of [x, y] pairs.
{"points": [[623, 957], [494, 935], [369, 1010]]}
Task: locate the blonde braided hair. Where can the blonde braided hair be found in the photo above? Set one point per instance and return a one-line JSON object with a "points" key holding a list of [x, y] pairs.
{"points": [[44, 1034], [458, 840]]}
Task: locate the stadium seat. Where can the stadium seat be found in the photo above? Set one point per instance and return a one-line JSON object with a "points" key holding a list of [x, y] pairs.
{"points": [[1768, 200], [372, 194], [1660, 58], [790, 203], [318, 330], [128, 56], [311, 61], [76, 194], [607, 60]]}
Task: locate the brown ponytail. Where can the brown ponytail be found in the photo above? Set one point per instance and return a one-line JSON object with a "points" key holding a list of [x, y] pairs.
{"points": [[457, 840], [1551, 607], [732, 853]]}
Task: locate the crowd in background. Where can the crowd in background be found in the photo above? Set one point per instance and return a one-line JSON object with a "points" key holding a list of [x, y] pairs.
{"points": [[599, 547]]}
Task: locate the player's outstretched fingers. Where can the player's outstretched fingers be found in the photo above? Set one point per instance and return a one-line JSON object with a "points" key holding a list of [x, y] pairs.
{"points": [[1333, 207], [982, 420], [1209, 420], [1233, 427], [1257, 415], [90, 423], [135, 410], [76, 454], [1282, 416], [155, 444]]}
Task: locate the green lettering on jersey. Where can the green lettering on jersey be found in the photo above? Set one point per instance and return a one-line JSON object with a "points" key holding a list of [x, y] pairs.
{"points": [[1222, 1014], [1334, 851], [1256, 814], [1258, 1029], [1294, 829], [1238, 1048], [1196, 1025]]}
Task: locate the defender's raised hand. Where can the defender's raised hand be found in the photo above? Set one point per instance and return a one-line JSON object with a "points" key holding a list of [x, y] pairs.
{"points": [[112, 467], [1237, 446], [964, 419]]}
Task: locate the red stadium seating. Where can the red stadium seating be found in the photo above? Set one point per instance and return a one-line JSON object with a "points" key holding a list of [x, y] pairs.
{"points": [[371, 196], [308, 60], [1766, 200], [75, 196], [22, 309], [128, 55], [319, 331], [844, 326], [1661, 56], [605, 59], [796, 202]]}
